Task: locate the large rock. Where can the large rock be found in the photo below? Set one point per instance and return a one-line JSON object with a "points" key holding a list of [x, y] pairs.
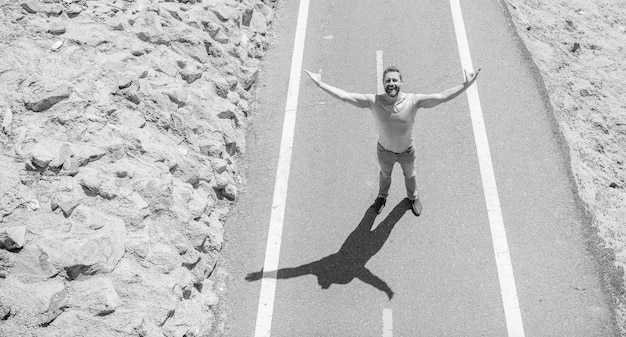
{"points": [[31, 6], [47, 99], [96, 183], [84, 250], [95, 295], [12, 237], [223, 108]]}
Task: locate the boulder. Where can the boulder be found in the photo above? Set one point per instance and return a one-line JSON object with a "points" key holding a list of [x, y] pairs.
{"points": [[95, 295], [47, 99], [31, 6], [223, 108], [57, 27], [67, 205], [190, 75], [226, 12], [188, 320], [56, 306], [258, 23], [178, 96], [44, 152], [53, 9], [95, 183], [73, 11], [84, 250], [12, 237]]}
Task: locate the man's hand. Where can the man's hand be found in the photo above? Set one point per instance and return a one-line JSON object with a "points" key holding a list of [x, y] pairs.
{"points": [[317, 78], [470, 77]]}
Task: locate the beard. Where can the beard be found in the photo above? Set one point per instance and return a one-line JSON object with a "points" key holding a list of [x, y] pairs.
{"points": [[392, 90]]}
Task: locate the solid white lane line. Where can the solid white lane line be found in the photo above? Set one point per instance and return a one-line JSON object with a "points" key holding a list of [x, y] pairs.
{"points": [[387, 322], [379, 71], [272, 251], [496, 223]]}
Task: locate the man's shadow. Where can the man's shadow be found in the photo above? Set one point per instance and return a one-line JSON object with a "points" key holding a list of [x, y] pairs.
{"points": [[349, 262]]}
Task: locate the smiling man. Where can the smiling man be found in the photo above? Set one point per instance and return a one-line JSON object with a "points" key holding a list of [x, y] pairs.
{"points": [[394, 113]]}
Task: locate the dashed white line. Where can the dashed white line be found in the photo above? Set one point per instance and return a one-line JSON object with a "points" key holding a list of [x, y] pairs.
{"points": [[379, 71], [268, 285], [387, 322], [508, 290]]}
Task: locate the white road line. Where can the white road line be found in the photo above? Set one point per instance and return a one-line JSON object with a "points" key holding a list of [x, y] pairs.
{"points": [[272, 251], [379, 71], [496, 223], [387, 322]]}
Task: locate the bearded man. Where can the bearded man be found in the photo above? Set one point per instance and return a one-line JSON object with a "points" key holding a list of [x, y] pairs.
{"points": [[394, 113]]}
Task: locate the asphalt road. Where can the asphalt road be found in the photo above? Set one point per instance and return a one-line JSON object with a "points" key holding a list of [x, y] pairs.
{"points": [[344, 271]]}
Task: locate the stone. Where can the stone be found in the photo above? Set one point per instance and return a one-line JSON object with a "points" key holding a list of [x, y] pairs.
{"points": [[190, 76], [246, 17], [223, 108], [211, 147], [66, 205], [248, 76], [83, 250], [233, 140], [199, 203], [31, 6], [188, 320], [221, 86], [217, 32], [73, 11], [124, 82], [44, 152], [95, 295], [57, 45], [69, 163], [219, 165], [12, 237], [233, 97], [132, 94], [95, 183], [137, 49], [86, 153], [53, 9], [63, 152], [258, 24], [58, 303], [163, 257], [7, 119], [178, 96], [47, 99], [215, 230], [115, 23], [225, 12], [131, 119], [57, 27], [230, 192]]}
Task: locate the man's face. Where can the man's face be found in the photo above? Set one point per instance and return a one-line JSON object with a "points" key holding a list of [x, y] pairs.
{"points": [[392, 83]]}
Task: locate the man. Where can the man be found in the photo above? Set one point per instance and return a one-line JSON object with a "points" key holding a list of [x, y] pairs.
{"points": [[394, 113]]}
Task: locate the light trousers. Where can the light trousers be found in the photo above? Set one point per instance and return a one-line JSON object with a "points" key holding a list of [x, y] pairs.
{"points": [[386, 160]]}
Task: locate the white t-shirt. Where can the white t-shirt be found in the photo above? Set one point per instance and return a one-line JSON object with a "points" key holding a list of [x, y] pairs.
{"points": [[395, 121]]}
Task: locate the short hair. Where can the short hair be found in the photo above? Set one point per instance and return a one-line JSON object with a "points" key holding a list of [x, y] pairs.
{"points": [[392, 69]]}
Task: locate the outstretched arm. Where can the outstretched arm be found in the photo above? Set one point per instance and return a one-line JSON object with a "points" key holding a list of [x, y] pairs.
{"points": [[358, 100], [373, 280], [429, 101]]}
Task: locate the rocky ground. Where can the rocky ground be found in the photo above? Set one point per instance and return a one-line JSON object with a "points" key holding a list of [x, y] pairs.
{"points": [[579, 48], [121, 124]]}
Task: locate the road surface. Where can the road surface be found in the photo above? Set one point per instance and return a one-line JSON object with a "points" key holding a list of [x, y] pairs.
{"points": [[342, 271]]}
